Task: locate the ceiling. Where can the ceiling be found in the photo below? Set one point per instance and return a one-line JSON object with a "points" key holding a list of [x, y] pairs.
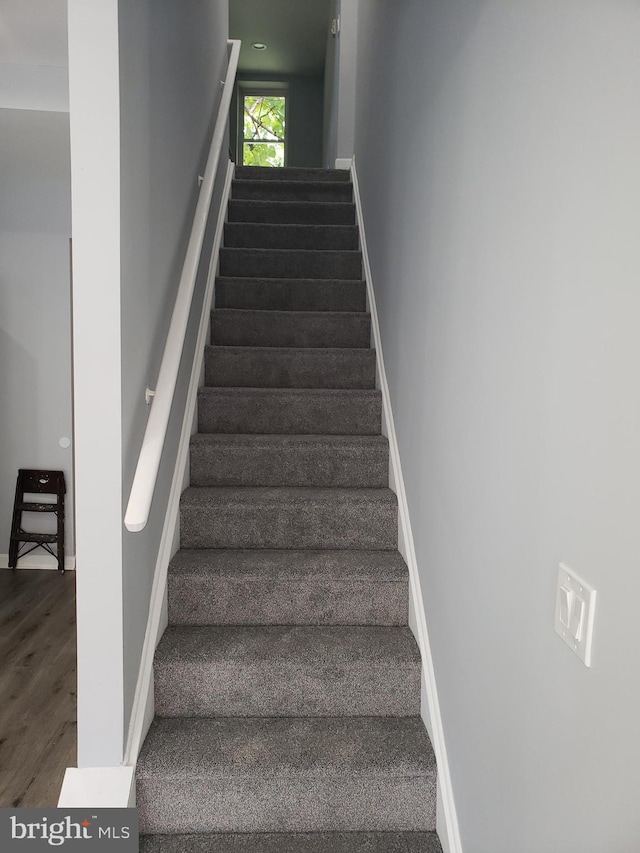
{"points": [[33, 32], [295, 32]]}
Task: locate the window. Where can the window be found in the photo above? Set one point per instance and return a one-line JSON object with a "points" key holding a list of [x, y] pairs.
{"points": [[263, 130]]}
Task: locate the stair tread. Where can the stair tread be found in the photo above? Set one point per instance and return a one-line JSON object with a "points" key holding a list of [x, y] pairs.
{"points": [[285, 329], [290, 367], [300, 645], [378, 566], [284, 495], [284, 253], [315, 282], [288, 587], [340, 411], [294, 212], [290, 235], [289, 393], [275, 313], [311, 747], [288, 183], [299, 227], [267, 440], [268, 173], [294, 842]]}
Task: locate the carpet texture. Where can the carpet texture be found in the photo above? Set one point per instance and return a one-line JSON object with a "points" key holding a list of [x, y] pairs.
{"points": [[288, 683]]}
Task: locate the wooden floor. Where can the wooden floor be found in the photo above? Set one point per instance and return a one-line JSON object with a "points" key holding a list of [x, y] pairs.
{"points": [[37, 685]]}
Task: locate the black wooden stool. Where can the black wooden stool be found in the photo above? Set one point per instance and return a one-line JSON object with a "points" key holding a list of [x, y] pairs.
{"points": [[39, 483]]}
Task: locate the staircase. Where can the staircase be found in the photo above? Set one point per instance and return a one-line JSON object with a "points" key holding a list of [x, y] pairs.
{"points": [[287, 685]]}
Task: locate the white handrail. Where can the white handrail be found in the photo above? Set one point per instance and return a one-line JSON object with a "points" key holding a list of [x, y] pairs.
{"points": [[144, 481]]}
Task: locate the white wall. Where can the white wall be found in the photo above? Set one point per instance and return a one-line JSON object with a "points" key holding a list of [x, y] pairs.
{"points": [[145, 84], [95, 175], [35, 309], [502, 202]]}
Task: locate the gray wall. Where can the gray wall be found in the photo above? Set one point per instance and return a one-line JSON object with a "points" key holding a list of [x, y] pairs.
{"points": [[35, 306], [502, 202], [144, 79], [171, 64], [340, 83], [304, 120]]}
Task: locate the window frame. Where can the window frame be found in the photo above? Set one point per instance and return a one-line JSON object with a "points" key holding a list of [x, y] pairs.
{"points": [[260, 92]]}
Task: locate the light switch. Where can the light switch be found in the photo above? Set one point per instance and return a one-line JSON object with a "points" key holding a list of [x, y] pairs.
{"points": [[566, 599], [575, 612], [577, 619]]}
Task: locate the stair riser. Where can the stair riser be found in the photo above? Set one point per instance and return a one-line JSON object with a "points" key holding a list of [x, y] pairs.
{"points": [[350, 466], [276, 689], [267, 525], [230, 367], [292, 191], [290, 263], [291, 173], [270, 236], [290, 295], [287, 602], [292, 212], [284, 329], [290, 413], [286, 804]]}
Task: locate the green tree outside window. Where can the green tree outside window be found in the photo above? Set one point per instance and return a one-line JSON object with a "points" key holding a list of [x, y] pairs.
{"points": [[263, 126]]}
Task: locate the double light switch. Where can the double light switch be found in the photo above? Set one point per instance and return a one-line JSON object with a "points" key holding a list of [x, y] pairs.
{"points": [[575, 611]]}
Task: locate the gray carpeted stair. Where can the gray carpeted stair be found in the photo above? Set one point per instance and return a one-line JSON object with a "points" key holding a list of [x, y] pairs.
{"points": [[296, 173], [275, 190], [229, 517], [348, 461], [292, 212], [278, 294], [232, 327], [291, 263], [275, 587], [326, 411], [276, 671], [288, 684], [289, 367], [243, 235], [286, 774], [294, 842]]}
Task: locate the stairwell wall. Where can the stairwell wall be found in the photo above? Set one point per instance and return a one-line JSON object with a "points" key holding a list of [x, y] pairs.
{"points": [[171, 65], [138, 156], [501, 200], [340, 83]]}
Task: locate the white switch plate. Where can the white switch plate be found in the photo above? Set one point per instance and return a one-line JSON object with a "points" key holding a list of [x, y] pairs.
{"points": [[578, 634]]}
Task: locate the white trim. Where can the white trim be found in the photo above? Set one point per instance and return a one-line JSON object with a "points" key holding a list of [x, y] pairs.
{"points": [[142, 712], [39, 561], [97, 788], [146, 475], [448, 829], [344, 163]]}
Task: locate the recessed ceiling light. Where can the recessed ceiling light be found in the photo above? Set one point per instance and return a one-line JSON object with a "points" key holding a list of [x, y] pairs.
{"points": [[258, 45]]}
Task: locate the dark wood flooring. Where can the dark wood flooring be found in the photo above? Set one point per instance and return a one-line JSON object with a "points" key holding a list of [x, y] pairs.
{"points": [[37, 685]]}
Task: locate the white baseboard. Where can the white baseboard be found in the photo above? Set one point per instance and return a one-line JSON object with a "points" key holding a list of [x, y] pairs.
{"points": [[39, 561], [97, 788], [447, 820], [343, 163], [142, 711]]}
